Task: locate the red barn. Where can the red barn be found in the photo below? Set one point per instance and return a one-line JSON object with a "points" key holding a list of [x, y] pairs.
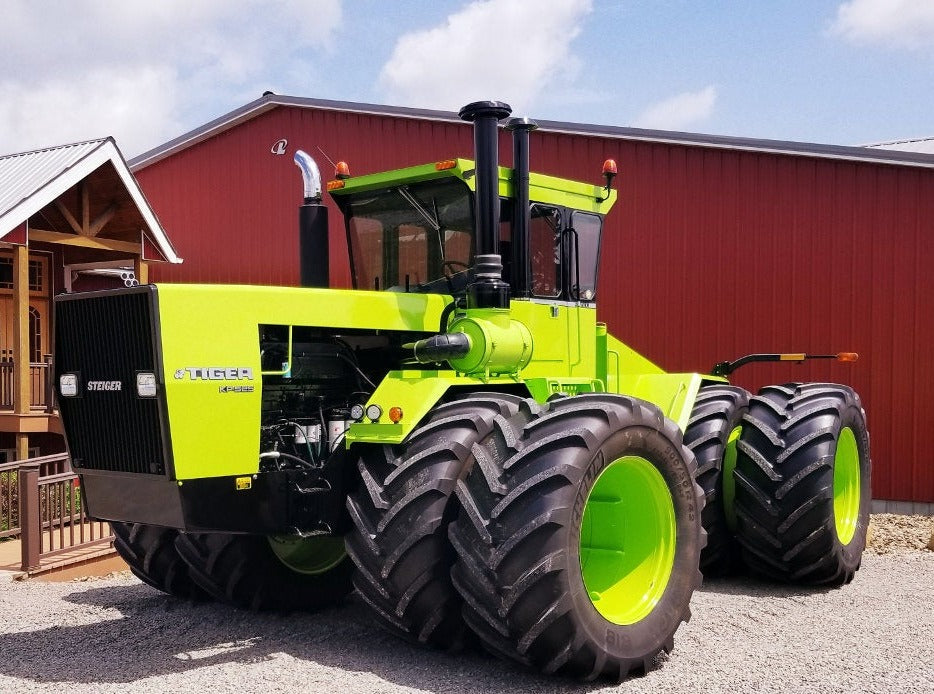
{"points": [[718, 246]]}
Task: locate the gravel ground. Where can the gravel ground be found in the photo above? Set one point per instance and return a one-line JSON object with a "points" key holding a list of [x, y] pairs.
{"points": [[119, 635]]}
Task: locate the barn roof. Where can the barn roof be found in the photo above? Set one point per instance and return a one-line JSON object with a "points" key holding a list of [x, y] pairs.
{"points": [[31, 181], [270, 101]]}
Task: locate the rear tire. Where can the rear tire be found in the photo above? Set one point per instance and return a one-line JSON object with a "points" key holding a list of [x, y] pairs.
{"points": [[711, 435], [803, 483], [579, 536], [246, 571], [149, 550], [401, 513]]}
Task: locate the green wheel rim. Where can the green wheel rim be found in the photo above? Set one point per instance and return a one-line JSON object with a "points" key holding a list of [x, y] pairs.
{"points": [[627, 540], [726, 475], [846, 487], [308, 555]]}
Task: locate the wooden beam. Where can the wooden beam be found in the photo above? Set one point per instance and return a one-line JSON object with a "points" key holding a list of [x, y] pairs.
{"points": [[85, 208], [21, 381], [22, 446], [85, 241], [34, 423], [69, 217], [102, 219], [141, 270]]}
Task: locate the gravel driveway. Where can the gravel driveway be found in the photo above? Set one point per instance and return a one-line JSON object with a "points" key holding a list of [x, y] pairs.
{"points": [[119, 635]]}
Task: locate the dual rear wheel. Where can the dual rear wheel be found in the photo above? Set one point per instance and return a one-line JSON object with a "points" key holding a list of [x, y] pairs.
{"points": [[802, 483], [786, 474]]}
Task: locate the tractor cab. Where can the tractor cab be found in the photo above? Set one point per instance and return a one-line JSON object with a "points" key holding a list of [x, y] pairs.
{"points": [[414, 230]]}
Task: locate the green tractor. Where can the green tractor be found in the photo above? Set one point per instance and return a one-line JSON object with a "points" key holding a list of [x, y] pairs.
{"points": [[457, 438]]}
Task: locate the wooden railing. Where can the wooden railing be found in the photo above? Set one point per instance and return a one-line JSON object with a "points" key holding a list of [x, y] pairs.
{"points": [[40, 383], [9, 500], [49, 518]]}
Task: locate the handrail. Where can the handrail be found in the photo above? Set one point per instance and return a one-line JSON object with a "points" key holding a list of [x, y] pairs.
{"points": [[41, 391], [51, 517]]}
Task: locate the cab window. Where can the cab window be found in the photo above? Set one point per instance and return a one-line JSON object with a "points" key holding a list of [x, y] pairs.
{"points": [[545, 251], [584, 251]]}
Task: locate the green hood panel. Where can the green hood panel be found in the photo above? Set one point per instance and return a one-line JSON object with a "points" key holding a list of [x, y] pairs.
{"points": [[211, 361]]}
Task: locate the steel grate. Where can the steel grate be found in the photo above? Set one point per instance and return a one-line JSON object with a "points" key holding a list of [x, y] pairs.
{"points": [[109, 337]]}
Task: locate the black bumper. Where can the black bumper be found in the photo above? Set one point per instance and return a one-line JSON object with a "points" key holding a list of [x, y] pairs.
{"points": [[271, 503]]}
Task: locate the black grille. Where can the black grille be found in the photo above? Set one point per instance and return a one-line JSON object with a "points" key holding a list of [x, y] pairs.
{"points": [[107, 337]]}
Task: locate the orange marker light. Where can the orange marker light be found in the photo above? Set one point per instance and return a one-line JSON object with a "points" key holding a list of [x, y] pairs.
{"points": [[446, 164], [341, 170], [847, 356], [335, 185], [395, 414], [609, 167]]}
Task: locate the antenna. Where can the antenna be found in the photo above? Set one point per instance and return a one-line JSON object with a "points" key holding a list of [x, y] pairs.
{"points": [[330, 161]]}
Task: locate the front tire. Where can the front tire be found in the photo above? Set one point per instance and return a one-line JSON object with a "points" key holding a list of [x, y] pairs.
{"points": [[579, 536], [401, 514], [149, 551], [803, 483], [268, 573]]}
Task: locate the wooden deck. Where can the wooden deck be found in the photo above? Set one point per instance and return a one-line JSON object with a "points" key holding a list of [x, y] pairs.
{"points": [[82, 562]]}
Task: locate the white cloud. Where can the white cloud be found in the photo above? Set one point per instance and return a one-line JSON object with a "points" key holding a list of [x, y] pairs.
{"points": [[679, 112], [510, 50], [134, 70], [135, 105], [898, 23]]}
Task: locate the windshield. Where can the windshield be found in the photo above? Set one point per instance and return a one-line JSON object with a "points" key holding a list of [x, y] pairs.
{"points": [[411, 237]]}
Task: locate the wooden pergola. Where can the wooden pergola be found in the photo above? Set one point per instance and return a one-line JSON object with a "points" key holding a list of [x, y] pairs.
{"points": [[61, 209]]}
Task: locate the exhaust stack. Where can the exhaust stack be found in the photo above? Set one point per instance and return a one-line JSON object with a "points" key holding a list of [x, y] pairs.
{"points": [[489, 290], [313, 256]]}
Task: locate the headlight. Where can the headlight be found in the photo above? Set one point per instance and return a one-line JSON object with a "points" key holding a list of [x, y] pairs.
{"points": [[146, 384], [68, 385], [374, 412]]}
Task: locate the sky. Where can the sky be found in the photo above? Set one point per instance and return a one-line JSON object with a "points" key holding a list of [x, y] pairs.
{"points": [[844, 72]]}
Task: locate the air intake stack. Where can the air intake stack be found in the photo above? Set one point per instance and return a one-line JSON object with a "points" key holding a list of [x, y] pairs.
{"points": [[521, 280], [488, 290]]}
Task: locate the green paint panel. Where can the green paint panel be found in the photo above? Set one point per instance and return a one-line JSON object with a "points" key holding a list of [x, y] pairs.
{"points": [[729, 484], [416, 392], [628, 539], [846, 486], [673, 393], [214, 422], [308, 555], [542, 188]]}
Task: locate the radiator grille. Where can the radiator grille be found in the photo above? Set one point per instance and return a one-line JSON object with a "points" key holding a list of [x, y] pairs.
{"points": [[109, 337]]}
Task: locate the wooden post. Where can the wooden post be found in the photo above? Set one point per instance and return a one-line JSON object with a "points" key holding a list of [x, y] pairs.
{"points": [[141, 270], [21, 380], [22, 446], [31, 533], [49, 395]]}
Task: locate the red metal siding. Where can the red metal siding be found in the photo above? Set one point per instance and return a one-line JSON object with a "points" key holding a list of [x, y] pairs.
{"points": [[709, 254], [231, 205]]}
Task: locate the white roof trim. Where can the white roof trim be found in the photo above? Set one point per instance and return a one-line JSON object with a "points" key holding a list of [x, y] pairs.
{"points": [[70, 176]]}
